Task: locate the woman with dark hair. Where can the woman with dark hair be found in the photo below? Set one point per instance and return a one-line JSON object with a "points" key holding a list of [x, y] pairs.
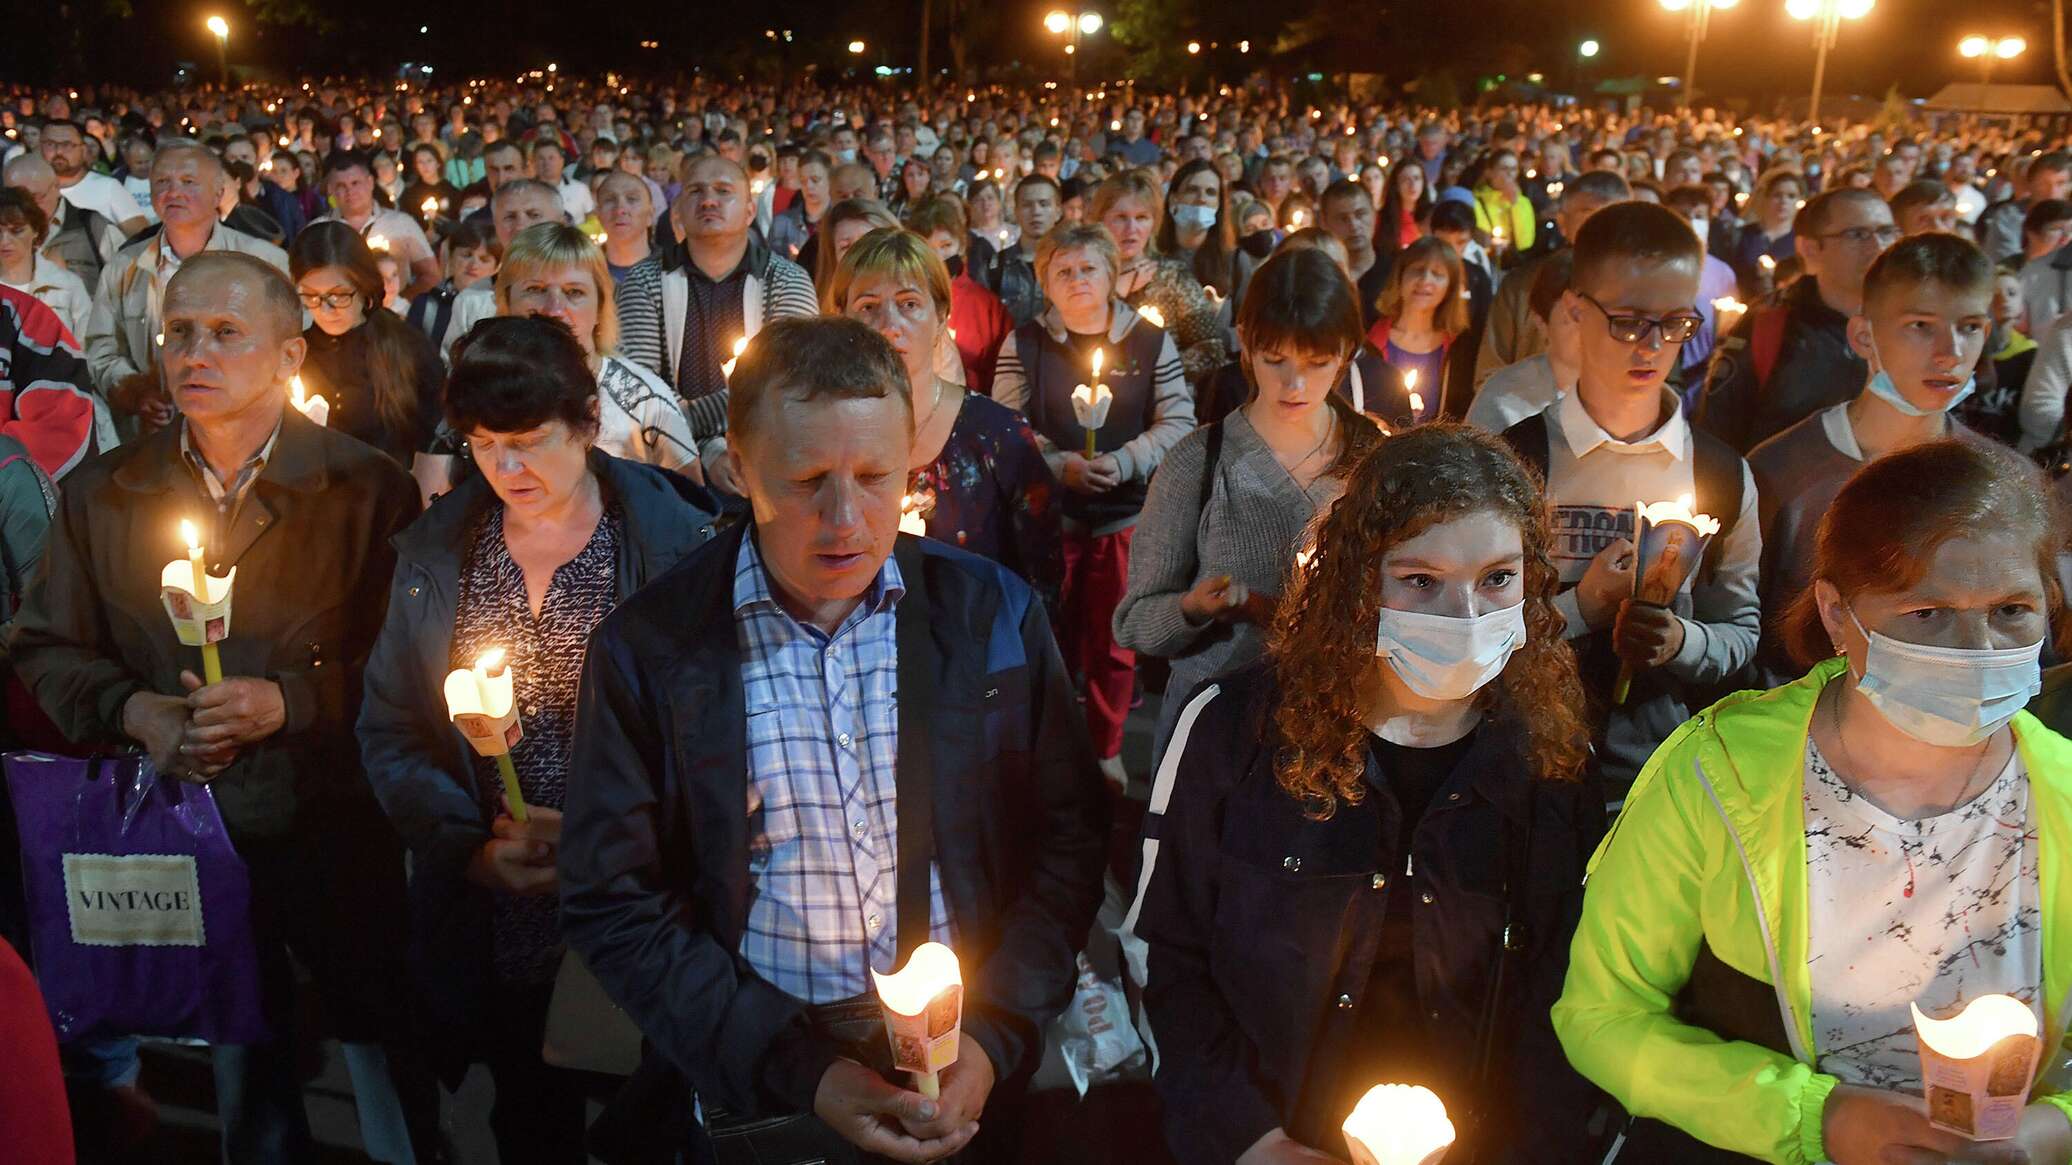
{"points": [[524, 557], [1197, 229], [381, 377], [1405, 209], [1795, 868], [1234, 499], [1422, 313], [1369, 869], [916, 182], [428, 184]]}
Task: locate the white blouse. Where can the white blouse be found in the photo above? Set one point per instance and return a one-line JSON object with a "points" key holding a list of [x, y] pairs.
{"points": [[1938, 912]]}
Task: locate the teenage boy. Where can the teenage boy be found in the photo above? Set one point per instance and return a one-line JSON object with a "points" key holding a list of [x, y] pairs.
{"points": [[1927, 312], [1622, 437]]}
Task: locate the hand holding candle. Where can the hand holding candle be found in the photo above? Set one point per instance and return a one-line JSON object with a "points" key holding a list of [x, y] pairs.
{"points": [[482, 702], [1398, 1124], [913, 513], [316, 408], [1728, 311], [924, 1014], [1977, 1066], [1090, 404], [1668, 539], [198, 603]]}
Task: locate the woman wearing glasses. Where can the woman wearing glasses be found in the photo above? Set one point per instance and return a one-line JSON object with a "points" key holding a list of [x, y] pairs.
{"points": [[381, 377]]}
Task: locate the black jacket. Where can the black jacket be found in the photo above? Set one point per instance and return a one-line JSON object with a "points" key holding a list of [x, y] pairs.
{"points": [[655, 884], [1814, 368], [1263, 928], [420, 768], [311, 550]]}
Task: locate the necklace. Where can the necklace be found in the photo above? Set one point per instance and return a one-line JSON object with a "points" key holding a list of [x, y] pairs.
{"points": [[1330, 427], [1964, 794]]}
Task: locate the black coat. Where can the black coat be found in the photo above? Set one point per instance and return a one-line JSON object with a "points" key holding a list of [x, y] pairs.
{"points": [[655, 883], [1263, 928], [1815, 368], [421, 768]]}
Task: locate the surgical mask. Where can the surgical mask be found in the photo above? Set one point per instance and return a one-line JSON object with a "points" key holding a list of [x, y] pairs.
{"points": [[1953, 697], [1444, 657], [845, 156], [1881, 386], [1193, 218]]}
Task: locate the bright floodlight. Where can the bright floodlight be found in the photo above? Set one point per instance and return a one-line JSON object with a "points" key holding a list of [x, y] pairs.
{"points": [[1057, 22], [856, 46], [1193, 47], [1973, 46], [1588, 48], [1724, 3], [219, 26], [1853, 9], [1802, 9], [1676, 5], [2010, 47], [1089, 23]]}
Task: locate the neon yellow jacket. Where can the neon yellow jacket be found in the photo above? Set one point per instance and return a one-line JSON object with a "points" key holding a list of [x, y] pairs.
{"points": [[1711, 851], [1520, 220]]}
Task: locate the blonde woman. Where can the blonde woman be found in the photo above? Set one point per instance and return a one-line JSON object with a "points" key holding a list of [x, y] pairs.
{"points": [[1132, 205]]}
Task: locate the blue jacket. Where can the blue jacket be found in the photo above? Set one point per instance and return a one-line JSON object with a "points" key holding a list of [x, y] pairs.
{"points": [[420, 767], [655, 884]]}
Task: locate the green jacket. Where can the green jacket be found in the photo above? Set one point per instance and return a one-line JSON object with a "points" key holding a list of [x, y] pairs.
{"points": [[1710, 856], [1520, 219]]}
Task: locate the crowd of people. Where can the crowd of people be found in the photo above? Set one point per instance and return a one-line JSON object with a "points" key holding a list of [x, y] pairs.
{"points": [[1479, 500]]}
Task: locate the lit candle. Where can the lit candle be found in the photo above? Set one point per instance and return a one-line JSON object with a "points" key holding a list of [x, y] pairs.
{"points": [[1663, 558], [1149, 312], [1416, 400], [378, 244], [924, 1012], [1729, 312], [316, 408], [1295, 218], [430, 207], [197, 602], [482, 702], [1398, 1124], [1554, 189], [911, 520], [1497, 236], [1090, 404], [1977, 1066], [726, 368], [1768, 264]]}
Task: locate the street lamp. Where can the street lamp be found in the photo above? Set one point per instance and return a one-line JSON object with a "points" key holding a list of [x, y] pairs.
{"points": [[1701, 18], [856, 48], [1588, 48], [1987, 50], [1827, 16], [1059, 22], [221, 28]]}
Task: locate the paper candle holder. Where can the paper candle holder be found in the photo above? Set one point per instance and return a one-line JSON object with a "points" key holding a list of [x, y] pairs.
{"points": [[1398, 1124], [316, 408], [198, 619], [484, 706], [914, 509], [1976, 1066], [923, 1004]]}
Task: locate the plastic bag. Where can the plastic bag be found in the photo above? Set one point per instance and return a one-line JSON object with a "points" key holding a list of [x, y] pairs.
{"points": [[139, 906], [1095, 1035]]}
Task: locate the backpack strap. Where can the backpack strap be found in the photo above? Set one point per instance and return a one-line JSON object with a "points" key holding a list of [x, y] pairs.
{"points": [[1529, 439], [1211, 454], [1717, 475]]}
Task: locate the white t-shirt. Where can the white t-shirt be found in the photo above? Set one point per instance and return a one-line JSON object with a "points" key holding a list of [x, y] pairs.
{"points": [[99, 192], [139, 187], [1937, 912], [577, 200], [405, 238]]}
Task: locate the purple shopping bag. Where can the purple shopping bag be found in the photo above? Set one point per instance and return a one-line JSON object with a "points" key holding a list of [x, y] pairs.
{"points": [[139, 906]]}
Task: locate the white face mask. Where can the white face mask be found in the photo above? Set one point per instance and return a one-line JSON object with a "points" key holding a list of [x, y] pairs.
{"points": [[1443, 657], [1948, 696]]}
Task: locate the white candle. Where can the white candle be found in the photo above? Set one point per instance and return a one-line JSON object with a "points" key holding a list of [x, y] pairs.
{"points": [[1398, 1124], [726, 368], [924, 1013]]}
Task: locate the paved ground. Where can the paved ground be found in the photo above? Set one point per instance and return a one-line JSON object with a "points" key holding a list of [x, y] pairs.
{"points": [[1115, 1124]]}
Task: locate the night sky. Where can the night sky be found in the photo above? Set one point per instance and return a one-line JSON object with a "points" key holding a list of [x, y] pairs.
{"points": [[1755, 51]]}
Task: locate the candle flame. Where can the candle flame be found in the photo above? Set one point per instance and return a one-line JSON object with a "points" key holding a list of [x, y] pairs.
{"points": [[295, 391], [430, 206], [490, 662], [1767, 263], [929, 971], [1985, 1021], [377, 243], [1097, 364], [191, 536], [1410, 379], [1399, 1124], [1678, 511], [1151, 312], [1727, 303]]}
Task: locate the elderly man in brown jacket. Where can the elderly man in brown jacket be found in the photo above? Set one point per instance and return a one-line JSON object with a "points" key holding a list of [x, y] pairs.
{"points": [[304, 515]]}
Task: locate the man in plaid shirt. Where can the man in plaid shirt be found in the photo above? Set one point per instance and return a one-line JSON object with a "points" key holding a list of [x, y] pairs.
{"points": [[767, 730]]}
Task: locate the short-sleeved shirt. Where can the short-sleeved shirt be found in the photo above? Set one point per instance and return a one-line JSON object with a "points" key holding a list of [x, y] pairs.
{"points": [[405, 238], [103, 195]]}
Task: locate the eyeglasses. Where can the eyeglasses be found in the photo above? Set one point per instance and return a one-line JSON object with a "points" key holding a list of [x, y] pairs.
{"points": [[1858, 236], [335, 300], [1675, 329]]}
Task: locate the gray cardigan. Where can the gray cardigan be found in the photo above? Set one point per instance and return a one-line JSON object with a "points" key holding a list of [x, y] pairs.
{"points": [[1256, 519]]}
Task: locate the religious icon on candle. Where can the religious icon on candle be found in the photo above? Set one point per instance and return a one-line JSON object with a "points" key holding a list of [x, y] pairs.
{"points": [[1398, 1124], [316, 408], [726, 368], [482, 702], [924, 1013], [1668, 541], [1090, 404], [198, 603], [914, 509], [1977, 1066]]}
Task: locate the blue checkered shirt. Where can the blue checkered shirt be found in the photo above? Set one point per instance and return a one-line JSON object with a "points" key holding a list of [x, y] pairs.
{"points": [[823, 733]]}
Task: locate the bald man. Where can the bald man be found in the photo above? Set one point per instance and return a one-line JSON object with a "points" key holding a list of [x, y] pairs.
{"points": [[725, 284], [82, 241], [304, 515], [187, 185]]}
